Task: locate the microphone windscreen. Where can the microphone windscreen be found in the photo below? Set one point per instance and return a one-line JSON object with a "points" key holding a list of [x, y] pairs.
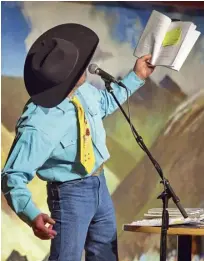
{"points": [[92, 68]]}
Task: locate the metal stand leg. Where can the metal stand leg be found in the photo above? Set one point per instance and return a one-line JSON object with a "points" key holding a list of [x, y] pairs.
{"points": [[184, 247]]}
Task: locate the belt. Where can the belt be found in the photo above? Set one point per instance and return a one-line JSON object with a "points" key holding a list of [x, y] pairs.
{"points": [[98, 171]]}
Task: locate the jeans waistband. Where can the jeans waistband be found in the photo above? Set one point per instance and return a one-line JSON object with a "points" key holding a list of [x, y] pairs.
{"points": [[97, 172]]}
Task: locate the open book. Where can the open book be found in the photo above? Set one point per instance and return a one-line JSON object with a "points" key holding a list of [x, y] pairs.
{"points": [[168, 42]]}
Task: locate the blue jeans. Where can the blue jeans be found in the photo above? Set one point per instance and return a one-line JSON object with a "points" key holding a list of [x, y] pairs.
{"points": [[85, 219]]}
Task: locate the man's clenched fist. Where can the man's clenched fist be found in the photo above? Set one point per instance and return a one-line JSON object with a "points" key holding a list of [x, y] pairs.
{"points": [[142, 67], [41, 230]]}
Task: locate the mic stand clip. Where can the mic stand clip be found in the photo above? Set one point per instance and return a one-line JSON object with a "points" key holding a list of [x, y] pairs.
{"points": [[108, 85]]}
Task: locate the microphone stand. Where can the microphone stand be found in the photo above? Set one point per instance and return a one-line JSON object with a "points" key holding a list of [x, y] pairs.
{"points": [[168, 190]]}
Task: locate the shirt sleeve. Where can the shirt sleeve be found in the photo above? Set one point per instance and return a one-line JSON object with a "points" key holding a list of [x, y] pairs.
{"points": [[30, 149], [106, 100]]}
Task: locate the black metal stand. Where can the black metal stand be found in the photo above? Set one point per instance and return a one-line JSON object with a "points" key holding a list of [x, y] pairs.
{"points": [[168, 190], [165, 225]]}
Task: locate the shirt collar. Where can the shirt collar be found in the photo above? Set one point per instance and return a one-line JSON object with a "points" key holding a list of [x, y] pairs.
{"points": [[65, 104]]}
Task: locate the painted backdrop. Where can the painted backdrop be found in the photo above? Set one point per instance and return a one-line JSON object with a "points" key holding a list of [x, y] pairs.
{"points": [[168, 111]]}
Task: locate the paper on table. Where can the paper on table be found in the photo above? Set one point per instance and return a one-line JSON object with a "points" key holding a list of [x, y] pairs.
{"points": [[172, 221], [176, 210], [153, 35]]}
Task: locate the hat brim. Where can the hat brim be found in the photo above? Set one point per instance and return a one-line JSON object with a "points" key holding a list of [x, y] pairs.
{"points": [[86, 42]]}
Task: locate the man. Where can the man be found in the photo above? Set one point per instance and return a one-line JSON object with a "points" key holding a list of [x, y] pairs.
{"points": [[60, 135]]}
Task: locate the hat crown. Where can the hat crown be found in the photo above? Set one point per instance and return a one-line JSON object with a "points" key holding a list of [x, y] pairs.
{"points": [[55, 60]]}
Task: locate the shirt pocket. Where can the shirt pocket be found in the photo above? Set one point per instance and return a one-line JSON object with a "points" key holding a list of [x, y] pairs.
{"points": [[67, 149], [93, 112]]}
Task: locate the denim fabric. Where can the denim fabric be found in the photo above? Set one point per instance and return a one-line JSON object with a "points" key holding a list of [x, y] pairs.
{"points": [[85, 219]]}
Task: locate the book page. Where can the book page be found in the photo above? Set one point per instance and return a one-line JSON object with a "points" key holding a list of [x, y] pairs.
{"points": [[185, 50], [172, 42], [151, 39]]}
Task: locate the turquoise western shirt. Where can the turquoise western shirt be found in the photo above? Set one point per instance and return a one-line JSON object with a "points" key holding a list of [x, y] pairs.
{"points": [[46, 143]]}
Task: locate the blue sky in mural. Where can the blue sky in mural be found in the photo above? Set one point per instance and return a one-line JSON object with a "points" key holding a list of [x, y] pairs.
{"points": [[14, 31], [126, 16], [125, 28]]}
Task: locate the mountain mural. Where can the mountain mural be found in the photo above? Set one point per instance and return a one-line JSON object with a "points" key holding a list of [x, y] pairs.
{"points": [[14, 96], [180, 142], [150, 108], [168, 112]]}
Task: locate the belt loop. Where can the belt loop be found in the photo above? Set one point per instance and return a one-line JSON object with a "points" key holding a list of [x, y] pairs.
{"points": [[98, 171]]}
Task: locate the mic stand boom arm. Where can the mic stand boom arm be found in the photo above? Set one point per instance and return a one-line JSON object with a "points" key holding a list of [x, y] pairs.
{"points": [[168, 190]]}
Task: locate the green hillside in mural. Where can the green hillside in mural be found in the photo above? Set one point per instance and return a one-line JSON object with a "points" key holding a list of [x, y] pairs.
{"points": [[14, 97], [150, 109]]}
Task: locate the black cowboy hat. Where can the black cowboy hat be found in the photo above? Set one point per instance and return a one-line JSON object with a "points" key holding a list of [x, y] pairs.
{"points": [[56, 61]]}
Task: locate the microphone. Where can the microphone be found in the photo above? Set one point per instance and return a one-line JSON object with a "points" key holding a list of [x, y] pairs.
{"points": [[94, 69]]}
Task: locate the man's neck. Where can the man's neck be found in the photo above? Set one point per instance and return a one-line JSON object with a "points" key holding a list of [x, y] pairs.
{"points": [[72, 91], [75, 88]]}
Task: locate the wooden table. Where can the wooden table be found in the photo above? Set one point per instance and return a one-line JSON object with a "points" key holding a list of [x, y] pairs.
{"points": [[183, 233]]}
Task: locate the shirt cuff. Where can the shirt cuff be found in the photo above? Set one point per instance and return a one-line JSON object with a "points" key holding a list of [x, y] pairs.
{"points": [[135, 78], [30, 212]]}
